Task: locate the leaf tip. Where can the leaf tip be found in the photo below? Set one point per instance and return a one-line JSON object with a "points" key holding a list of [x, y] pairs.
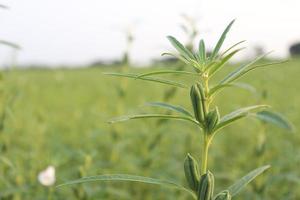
{"points": [[170, 38]]}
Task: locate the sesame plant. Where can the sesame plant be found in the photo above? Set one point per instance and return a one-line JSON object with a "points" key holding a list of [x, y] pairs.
{"points": [[205, 115], [266, 118], [7, 100], [5, 112]]}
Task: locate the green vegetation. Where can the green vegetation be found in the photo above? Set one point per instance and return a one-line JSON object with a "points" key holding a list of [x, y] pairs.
{"points": [[57, 117]]}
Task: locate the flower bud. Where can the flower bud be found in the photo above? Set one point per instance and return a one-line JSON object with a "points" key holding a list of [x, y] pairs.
{"points": [[206, 187], [191, 172]]}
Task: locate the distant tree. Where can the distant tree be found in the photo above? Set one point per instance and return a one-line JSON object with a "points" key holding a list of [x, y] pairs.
{"points": [[295, 49]]}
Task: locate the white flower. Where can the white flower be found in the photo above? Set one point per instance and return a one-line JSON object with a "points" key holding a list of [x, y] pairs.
{"points": [[47, 176]]}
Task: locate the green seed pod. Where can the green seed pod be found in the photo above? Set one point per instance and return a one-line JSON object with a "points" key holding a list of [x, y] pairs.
{"points": [[191, 172], [206, 187], [197, 98], [212, 118], [224, 195], [202, 93]]}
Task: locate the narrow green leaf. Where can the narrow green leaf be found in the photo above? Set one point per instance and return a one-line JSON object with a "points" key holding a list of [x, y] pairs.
{"points": [[239, 72], [157, 80], [240, 184], [187, 61], [196, 65], [276, 119], [198, 59], [230, 48], [144, 116], [216, 67], [167, 72], [179, 57], [246, 70], [180, 48], [264, 65], [130, 178], [218, 88], [220, 42], [202, 52], [238, 114], [178, 109]]}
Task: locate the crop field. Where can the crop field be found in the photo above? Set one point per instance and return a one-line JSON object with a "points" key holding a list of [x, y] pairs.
{"points": [[59, 117]]}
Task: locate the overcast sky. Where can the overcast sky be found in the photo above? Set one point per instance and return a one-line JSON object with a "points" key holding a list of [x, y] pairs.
{"points": [[81, 31]]}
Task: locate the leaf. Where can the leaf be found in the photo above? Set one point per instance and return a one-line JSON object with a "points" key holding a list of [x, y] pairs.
{"points": [[143, 116], [183, 59], [187, 61], [178, 109], [163, 81], [216, 67], [236, 44], [167, 72], [218, 88], [202, 53], [275, 119], [239, 72], [248, 68], [240, 184], [265, 65], [238, 114], [221, 40], [180, 48], [196, 65], [131, 178]]}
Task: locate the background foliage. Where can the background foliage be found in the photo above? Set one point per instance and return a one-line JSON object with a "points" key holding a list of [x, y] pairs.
{"points": [[58, 117]]}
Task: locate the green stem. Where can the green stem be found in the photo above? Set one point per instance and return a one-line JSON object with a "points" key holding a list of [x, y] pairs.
{"points": [[50, 193], [204, 155], [206, 140]]}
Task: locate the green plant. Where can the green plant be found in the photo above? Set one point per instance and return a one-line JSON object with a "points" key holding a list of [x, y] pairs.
{"points": [[267, 117], [205, 115], [7, 100], [129, 41]]}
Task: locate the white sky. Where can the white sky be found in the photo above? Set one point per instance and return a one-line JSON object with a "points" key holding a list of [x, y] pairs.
{"points": [[81, 31]]}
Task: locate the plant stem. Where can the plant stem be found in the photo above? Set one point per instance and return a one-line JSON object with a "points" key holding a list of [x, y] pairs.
{"points": [[204, 155], [206, 140]]}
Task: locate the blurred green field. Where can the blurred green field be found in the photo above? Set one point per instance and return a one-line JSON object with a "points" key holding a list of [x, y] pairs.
{"points": [[58, 117]]}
